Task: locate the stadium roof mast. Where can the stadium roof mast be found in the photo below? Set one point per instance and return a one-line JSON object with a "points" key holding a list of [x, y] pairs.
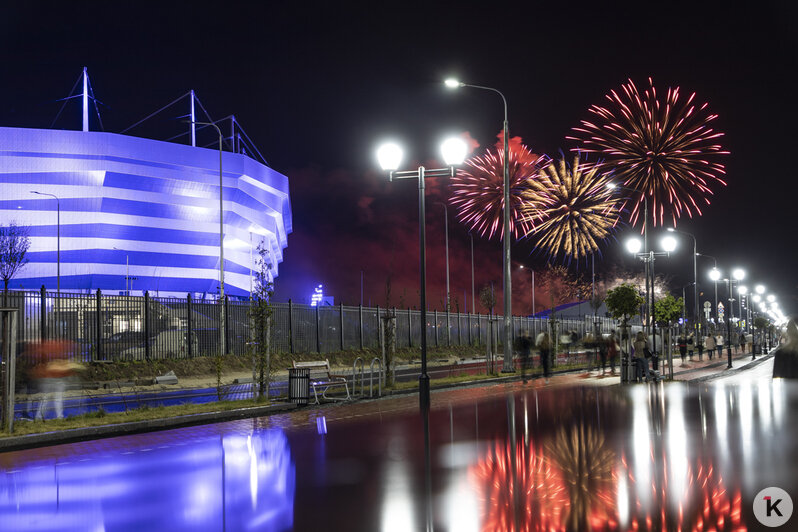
{"points": [[85, 100]]}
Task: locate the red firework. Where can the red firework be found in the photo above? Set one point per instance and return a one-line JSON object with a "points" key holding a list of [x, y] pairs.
{"points": [[478, 191], [663, 148]]}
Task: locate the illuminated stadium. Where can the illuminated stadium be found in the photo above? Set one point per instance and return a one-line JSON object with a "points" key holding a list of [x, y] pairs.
{"points": [[138, 213]]}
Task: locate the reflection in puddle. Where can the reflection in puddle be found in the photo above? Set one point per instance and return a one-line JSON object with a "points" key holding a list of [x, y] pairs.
{"points": [[231, 481]]}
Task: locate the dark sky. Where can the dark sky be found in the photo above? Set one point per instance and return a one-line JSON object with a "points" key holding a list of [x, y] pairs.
{"points": [[317, 86]]}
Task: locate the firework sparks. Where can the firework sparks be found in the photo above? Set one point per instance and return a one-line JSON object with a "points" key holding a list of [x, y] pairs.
{"points": [[478, 191], [577, 207], [663, 148]]}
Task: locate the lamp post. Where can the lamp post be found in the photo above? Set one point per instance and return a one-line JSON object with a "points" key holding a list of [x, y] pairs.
{"points": [[738, 275], [508, 366], [58, 254], [473, 302], [650, 317], [446, 229], [695, 285], [668, 244], [714, 274], [389, 156], [222, 332]]}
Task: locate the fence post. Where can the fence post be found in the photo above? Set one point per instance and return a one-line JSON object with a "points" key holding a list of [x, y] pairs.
{"points": [[225, 324], [99, 320], [409, 330], [436, 328], [459, 330], [341, 315], [318, 330], [43, 327], [147, 325], [291, 327], [479, 329], [448, 328], [468, 319], [361, 326], [191, 353]]}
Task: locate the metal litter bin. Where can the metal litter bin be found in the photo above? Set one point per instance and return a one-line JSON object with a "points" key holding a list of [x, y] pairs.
{"points": [[299, 385]]}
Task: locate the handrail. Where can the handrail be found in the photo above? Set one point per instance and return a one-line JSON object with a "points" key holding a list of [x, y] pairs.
{"points": [[354, 376], [379, 378]]}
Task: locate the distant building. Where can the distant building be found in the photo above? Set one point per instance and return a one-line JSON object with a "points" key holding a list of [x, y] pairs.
{"points": [[139, 213], [576, 309]]}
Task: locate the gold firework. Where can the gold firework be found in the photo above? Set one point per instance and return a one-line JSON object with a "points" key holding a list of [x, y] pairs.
{"points": [[576, 205]]}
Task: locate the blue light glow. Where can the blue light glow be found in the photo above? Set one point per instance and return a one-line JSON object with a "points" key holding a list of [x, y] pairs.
{"points": [[158, 202], [317, 296]]}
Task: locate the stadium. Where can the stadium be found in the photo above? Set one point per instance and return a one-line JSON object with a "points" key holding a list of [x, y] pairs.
{"points": [[125, 214]]}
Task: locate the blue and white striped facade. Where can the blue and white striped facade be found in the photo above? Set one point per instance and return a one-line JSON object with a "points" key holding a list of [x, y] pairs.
{"points": [[153, 204]]}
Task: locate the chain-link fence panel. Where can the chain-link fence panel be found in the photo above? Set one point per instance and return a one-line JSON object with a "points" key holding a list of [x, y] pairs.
{"points": [[403, 328], [309, 330], [280, 329], [371, 328], [352, 328], [330, 329]]}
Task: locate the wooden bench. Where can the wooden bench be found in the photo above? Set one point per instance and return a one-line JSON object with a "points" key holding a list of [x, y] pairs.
{"points": [[322, 377]]}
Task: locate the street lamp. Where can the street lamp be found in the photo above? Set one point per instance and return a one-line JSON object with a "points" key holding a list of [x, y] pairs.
{"points": [[473, 301], [613, 186], [389, 156], [695, 285], [58, 237], [508, 366], [446, 230], [714, 274], [222, 332], [58, 252], [668, 244]]}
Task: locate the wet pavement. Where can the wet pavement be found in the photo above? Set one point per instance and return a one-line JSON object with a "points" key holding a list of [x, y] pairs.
{"points": [[572, 454]]}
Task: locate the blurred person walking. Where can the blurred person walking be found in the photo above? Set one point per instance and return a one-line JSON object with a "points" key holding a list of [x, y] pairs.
{"points": [[545, 353]]}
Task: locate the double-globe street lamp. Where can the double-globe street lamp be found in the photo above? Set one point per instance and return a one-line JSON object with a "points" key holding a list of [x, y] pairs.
{"points": [[389, 156], [738, 274], [633, 246], [508, 366]]}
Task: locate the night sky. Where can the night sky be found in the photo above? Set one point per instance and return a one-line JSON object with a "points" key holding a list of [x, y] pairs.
{"points": [[316, 88]]}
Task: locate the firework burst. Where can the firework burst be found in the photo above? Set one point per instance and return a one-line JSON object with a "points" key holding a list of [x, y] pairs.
{"points": [[478, 191], [577, 208], [664, 148]]}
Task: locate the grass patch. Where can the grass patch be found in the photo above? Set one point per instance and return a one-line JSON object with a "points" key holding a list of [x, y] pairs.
{"points": [[101, 417]]}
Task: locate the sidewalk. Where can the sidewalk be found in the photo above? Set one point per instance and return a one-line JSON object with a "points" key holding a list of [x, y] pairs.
{"points": [[394, 402]]}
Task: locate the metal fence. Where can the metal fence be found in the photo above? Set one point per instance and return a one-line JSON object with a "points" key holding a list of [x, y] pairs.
{"points": [[110, 327]]}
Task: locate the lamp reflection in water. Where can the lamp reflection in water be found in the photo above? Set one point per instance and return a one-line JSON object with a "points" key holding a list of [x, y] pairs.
{"points": [[233, 482]]}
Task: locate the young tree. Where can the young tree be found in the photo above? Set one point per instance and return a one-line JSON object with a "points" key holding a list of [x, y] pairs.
{"points": [[14, 244], [623, 302], [260, 314], [667, 311], [487, 297]]}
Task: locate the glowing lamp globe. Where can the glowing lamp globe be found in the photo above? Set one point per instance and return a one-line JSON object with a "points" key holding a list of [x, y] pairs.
{"points": [[743, 290], [669, 243], [452, 83], [454, 151], [771, 298], [757, 298], [389, 155], [633, 245], [714, 274], [760, 289], [739, 274]]}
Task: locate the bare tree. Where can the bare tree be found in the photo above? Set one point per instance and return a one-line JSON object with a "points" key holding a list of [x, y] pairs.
{"points": [[14, 244]]}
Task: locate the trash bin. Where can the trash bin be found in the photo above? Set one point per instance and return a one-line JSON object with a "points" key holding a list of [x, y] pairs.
{"points": [[757, 349], [625, 369], [299, 385]]}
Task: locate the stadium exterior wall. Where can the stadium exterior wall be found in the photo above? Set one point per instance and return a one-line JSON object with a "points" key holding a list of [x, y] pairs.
{"points": [[153, 204]]}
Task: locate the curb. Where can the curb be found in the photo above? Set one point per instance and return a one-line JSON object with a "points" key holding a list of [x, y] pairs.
{"points": [[42, 439]]}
